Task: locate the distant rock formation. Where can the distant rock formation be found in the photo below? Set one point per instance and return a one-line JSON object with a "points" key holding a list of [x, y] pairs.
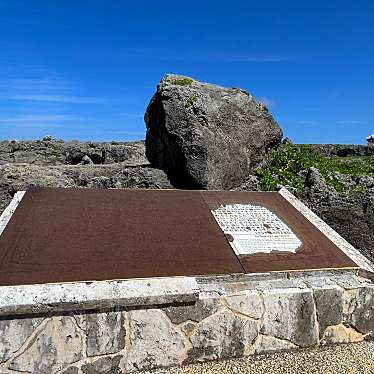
{"points": [[206, 136], [51, 163], [57, 152]]}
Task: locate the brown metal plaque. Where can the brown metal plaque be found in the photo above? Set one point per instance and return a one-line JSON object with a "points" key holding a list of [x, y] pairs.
{"points": [[66, 235]]}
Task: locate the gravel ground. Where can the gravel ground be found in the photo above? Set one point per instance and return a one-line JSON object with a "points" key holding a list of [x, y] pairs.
{"points": [[344, 359]]}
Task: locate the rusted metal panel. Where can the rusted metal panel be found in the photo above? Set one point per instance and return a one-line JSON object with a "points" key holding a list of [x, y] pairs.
{"points": [[65, 235]]}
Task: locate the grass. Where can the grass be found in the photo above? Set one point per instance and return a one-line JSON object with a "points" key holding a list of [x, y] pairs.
{"points": [[288, 166], [190, 101], [183, 82]]}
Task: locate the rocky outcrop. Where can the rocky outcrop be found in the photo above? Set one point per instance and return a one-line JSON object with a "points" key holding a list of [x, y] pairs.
{"points": [[205, 136], [351, 214], [18, 177], [58, 152]]}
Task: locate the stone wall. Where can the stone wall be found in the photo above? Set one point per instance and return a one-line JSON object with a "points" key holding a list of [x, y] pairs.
{"points": [[232, 317]]}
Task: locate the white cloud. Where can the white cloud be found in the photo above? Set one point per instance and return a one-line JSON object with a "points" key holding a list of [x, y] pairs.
{"points": [[59, 99], [349, 122]]}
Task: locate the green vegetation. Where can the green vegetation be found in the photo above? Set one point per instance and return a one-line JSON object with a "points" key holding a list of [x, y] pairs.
{"points": [[288, 166], [183, 82], [190, 101], [113, 142]]}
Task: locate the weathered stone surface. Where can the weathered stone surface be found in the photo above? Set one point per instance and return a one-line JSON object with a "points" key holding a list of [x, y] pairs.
{"points": [[222, 335], [251, 184], [357, 226], [264, 344], [206, 136], [329, 304], [341, 334], [13, 334], [291, 315], [105, 365], [154, 341], [249, 303], [19, 177], [362, 310], [41, 298], [58, 152], [70, 370], [188, 327], [105, 333], [203, 308], [57, 345]]}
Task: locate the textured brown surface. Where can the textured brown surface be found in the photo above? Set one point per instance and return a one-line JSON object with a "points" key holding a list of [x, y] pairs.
{"points": [[62, 235], [316, 252]]}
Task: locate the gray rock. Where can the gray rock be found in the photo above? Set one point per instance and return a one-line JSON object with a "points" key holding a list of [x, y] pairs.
{"points": [[105, 333], [264, 344], [70, 370], [13, 334], [58, 344], [154, 341], [57, 152], [105, 365], [203, 308], [315, 181], [350, 214], [206, 136], [362, 317], [251, 184], [249, 303], [222, 335], [19, 177], [291, 316], [329, 305], [86, 160]]}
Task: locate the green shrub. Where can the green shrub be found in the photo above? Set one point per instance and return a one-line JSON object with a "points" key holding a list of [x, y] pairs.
{"points": [[288, 166], [183, 82], [190, 101]]}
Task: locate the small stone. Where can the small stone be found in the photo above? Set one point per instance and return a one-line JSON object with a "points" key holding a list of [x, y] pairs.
{"points": [[329, 304], [13, 333], [105, 333], [188, 327], [155, 341], [264, 344], [362, 317], [223, 335], [291, 316], [106, 365], [57, 345], [198, 311], [341, 334], [249, 303], [86, 160], [70, 370]]}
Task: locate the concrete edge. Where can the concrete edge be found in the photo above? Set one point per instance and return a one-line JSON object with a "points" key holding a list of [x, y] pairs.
{"points": [[331, 234], [10, 209], [64, 297]]}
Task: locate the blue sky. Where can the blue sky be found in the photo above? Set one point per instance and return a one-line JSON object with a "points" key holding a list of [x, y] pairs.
{"points": [[86, 69]]}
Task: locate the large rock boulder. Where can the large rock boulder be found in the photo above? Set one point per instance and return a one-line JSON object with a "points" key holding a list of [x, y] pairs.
{"points": [[205, 136]]}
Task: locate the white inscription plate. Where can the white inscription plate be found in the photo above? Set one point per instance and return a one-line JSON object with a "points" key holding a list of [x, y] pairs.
{"points": [[255, 229]]}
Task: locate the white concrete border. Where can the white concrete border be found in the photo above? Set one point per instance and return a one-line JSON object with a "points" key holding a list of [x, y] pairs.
{"points": [[62, 297], [322, 226], [8, 212]]}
